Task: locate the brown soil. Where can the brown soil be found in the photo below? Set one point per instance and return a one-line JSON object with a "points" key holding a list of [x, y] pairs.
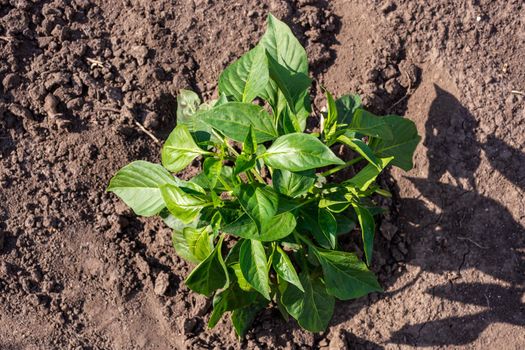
{"points": [[79, 271]]}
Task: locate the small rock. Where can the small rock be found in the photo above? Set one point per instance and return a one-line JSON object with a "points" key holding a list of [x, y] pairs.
{"points": [[162, 283], [20, 112], [189, 325], [139, 53], [11, 81], [51, 105], [151, 121], [338, 342]]}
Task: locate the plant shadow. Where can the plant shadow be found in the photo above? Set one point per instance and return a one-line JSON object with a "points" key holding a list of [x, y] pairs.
{"points": [[467, 229]]}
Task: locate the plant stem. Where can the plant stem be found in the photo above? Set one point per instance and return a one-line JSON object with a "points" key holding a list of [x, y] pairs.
{"points": [[342, 166]]}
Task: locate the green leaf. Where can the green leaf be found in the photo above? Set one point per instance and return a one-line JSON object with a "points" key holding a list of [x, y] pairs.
{"points": [[242, 318], [330, 122], [346, 107], [310, 220], [366, 123], [292, 84], [279, 226], [298, 152], [346, 277], [187, 105], [210, 274], [402, 145], [283, 46], [174, 223], [241, 281], [312, 308], [246, 78], [244, 163], [212, 168], [290, 69], [328, 225], [181, 247], [362, 148], [293, 184], [259, 201], [200, 241], [254, 266], [368, 227], [138, 183], [182, 205], [234, 119], [249, 145], [180, 149], [364, 178], [230, 299], [284, 268]]}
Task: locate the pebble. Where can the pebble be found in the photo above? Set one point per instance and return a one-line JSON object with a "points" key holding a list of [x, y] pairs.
{"points": [[151, 121], [139, 53], [50, 105], [162, 283]]}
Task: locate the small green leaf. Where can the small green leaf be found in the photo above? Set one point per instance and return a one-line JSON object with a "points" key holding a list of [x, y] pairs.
{"points": [[138, 185], [328, 225], [182, 205], [187, 105], [330, 122], [278, 227], [403, 143], [181, 247], [180, 150], [346, 277], [364, 178], [346, 107], [246, 78], [259, 201], [241, 281], [362, 148], [249, 145], [244, 163], [212, 168], [210, 274], [254, 266], [234, 119], [284, 268], [298, 152], [367, 223], [310, 222], [293, 184], [312, 308]]}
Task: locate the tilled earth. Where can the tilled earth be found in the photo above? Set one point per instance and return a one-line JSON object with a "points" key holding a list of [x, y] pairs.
{"points": [[79, 271]]}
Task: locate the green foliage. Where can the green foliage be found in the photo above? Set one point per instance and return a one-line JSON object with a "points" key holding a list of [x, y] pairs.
{"points": [[263, 219]]}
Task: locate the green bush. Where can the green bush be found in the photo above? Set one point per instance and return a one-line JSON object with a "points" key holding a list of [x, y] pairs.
{"points": [[262, 220]]}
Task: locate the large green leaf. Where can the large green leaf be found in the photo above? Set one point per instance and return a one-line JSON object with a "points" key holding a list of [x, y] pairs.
{"points": [[368, 227], [312, 308], [402, 145], [246, 78], [181, 247], [210, 274], [200, 241], [138, 185], [284, 268], [259, 201], [366, 176], [234, 119], [346, 277], [180, 149], [279, 226], [182, 205], [346, 106], [293, 184], [298, 152], [254, 266], [366, 123]]}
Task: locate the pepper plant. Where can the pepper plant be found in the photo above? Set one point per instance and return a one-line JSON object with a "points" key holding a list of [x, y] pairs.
{"points": [[262, 220]]}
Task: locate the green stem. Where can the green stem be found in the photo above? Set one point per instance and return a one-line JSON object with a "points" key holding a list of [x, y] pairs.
{"points": [[342, 166]]}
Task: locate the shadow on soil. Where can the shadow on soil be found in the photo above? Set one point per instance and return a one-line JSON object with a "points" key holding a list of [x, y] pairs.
{"points": [[470, 230]]}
